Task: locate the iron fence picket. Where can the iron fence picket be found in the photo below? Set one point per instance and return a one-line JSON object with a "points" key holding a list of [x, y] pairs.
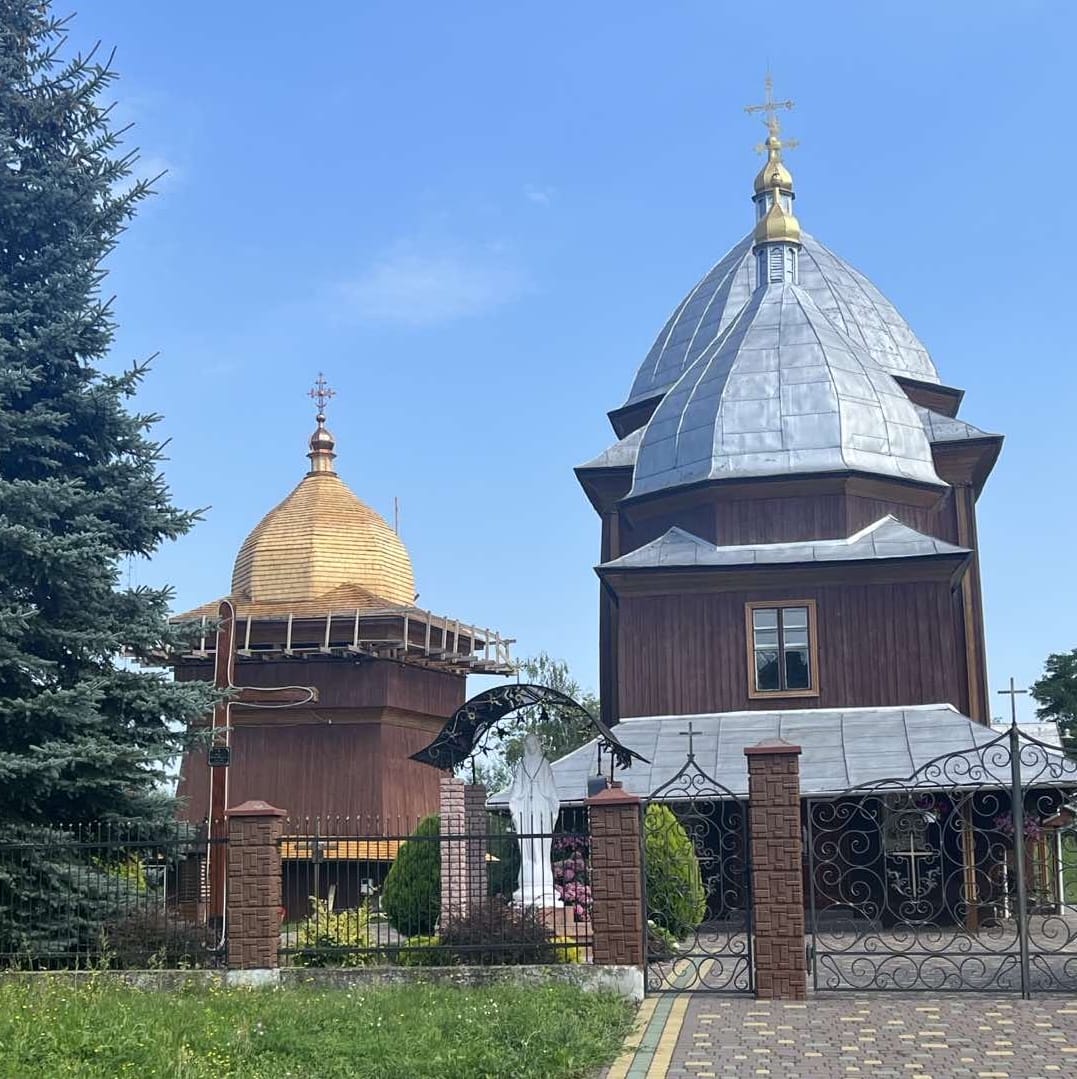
{"points": [[104, 894], [336, 910], [716, 954], [958, 915]]}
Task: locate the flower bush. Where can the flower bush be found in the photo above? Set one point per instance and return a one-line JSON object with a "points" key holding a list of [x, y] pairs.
{"points": [[570, 873], [1033, 828]]}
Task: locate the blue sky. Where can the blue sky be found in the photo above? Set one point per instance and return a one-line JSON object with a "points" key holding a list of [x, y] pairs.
{"points": [[475, 218]]}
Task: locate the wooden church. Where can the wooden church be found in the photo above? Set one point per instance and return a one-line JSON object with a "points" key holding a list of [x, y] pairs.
{"points": [[788, 522], [325, 599]]}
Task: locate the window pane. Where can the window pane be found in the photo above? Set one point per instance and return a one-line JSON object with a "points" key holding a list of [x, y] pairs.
{"points": [[766, 638], [765, 618], [766, 671], [795, 617], [797, 672], [796, 638]]}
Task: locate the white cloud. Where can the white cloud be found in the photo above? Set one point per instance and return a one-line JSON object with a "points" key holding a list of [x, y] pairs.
{"points": [[541, 195], [423, 287], [151, 166]]}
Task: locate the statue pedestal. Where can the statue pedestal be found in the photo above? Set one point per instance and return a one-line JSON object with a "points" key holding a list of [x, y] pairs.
{"points": [[561, 921]]}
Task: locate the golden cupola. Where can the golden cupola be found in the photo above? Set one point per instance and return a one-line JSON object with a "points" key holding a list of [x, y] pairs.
{"points": [[773, 174], [322, 546], [774, 196]]}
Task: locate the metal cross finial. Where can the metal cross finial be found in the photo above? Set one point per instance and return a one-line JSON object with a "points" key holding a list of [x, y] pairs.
{"points": [[690, 734], [915, 872], [320, 393], [770, 107], [1012, 693]]}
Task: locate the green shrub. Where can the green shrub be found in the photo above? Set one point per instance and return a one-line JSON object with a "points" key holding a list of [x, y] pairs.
{"points": [[676, 898], [661, 943], [499, 933], [151, 940], [411, 898], [503, 865], [422, 952], [334, 938], [568, 950]]}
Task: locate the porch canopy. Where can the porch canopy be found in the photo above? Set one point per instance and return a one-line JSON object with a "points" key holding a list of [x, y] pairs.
{"points": [[841, 748]]}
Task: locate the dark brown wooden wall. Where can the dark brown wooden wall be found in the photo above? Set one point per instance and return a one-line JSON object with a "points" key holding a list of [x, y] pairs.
{"points": [[344, 683], [340, 769], [879, 644], [346, 755], [788, 519]]}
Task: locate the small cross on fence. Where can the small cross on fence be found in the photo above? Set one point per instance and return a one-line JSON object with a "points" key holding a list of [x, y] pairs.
{"points": [[690, 734], [913, 856], [1013, 692]]}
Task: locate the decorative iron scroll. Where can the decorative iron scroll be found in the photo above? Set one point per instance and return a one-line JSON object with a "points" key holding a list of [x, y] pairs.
{"points": [[486, 714], [963, 876], [711, 953]]}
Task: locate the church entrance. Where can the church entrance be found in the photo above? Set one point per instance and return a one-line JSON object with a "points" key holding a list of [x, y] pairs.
{"points": [[699, 933], [961, 877]]}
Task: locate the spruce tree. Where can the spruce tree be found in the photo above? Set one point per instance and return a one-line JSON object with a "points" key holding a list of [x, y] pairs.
{"points": [[85, 731]]}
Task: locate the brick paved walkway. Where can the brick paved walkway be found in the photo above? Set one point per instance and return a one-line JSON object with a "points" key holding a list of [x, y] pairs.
{"points": [[881, 1037]]}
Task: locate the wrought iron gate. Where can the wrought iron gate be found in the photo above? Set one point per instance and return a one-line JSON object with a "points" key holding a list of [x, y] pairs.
{"points": [[698, 886], [961, 877]]}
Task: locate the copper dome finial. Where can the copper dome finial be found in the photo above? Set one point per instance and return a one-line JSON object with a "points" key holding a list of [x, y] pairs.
{"points": [[322, 442]]}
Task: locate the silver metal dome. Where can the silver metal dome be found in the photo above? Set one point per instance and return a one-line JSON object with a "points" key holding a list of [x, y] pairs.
{"points": [[782, 391], [842, 293]]}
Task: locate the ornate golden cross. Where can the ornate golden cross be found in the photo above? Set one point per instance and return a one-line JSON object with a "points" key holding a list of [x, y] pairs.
{"points": [[320, 393], [771, 107]]}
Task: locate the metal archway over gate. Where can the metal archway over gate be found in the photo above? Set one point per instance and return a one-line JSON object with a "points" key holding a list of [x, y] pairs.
{"points": [[962, 876], [698, 886]]}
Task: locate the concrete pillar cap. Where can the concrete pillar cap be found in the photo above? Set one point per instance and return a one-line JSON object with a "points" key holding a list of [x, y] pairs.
{"points": [[255, 808], [773, 747]]}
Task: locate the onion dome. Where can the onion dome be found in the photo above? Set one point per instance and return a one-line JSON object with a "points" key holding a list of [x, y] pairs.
{"points": [[777, 388], [777, 225], [773, 173], [782, 392], [322, 542], [851, 302]]}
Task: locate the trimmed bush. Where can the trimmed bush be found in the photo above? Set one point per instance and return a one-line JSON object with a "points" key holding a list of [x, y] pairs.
{"points": [[676, 898], [411, 898]]}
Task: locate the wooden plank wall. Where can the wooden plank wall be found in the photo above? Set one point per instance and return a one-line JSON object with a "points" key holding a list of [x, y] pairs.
{"points": [[789, 519], [879, 644], [342, 769]]}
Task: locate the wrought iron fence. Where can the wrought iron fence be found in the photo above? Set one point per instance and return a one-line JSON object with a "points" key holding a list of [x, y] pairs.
{"points": [[962, 876], [698, 886], [106, 895], [358, 893]]}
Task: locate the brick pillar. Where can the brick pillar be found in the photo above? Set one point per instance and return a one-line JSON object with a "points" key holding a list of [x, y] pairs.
{"points": [[781, 967], [254, 885], [463, 860], [617, 923]]}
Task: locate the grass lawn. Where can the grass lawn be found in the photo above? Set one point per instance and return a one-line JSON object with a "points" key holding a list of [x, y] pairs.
{"points": [[105, 1032]]}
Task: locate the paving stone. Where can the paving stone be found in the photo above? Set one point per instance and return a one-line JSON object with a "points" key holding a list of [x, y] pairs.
{"points": [[884, 1037]]}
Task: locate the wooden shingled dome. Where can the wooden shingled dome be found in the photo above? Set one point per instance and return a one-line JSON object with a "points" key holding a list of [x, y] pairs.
{"points": [[319, 539]]}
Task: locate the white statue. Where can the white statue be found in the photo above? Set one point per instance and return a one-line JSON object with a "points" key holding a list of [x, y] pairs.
{"points": [[534, 805]]}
